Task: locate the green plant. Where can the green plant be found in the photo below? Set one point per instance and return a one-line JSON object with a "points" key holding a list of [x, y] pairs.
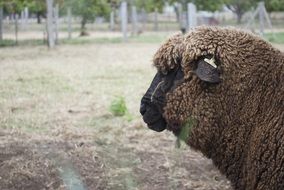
{"points": [[185, 131], [118, 106]]}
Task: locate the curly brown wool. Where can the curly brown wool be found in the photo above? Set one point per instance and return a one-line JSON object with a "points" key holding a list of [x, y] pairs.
{"points": [[168, 55], [240, 121]]}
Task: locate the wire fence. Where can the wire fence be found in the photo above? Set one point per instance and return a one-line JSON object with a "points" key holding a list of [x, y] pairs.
{"points": [[27, 27]]}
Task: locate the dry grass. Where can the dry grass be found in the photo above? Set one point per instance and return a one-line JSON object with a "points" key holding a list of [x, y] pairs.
{"points": [[54, 105]]}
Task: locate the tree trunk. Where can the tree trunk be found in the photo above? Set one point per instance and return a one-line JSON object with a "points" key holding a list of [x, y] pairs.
{"points": [[177, 12], [239, 17], [239, 13], [38, 16], [83, 27]]}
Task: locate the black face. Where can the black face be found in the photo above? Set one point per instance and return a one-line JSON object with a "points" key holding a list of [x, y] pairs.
{"points": [[153, 101]]}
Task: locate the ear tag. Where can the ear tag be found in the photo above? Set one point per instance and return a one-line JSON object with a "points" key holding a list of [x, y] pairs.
{"points": [[211, 62]]}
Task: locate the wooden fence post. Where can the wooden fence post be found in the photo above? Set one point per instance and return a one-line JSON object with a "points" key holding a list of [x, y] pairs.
{"points": [[50, 28], [134, 20], [124, 20], [16, 28], [191, 15], [26, 10], [261, 17], [156, 27], [69, 13], [56, 22], [112, 20]]}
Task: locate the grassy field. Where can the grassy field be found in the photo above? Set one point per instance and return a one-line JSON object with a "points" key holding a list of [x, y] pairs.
{"points": [[57, 130]]}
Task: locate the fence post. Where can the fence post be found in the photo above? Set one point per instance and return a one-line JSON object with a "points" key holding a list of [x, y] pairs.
{"points": [[26, 11], [112, 20], [261, 17], [180, 12], [143, 14], [124, 20], [134, 20], [1, 23], [191, 15], [56, 17], [156, 27], [50, 30], [69, 13], [22, 19], [16, 28]]}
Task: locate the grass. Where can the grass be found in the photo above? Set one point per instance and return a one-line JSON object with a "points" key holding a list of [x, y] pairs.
{"points": [[40, 90], [118, 106], [154, 38], [64, 94], [143, 38], [277, 38], [85, 40]]}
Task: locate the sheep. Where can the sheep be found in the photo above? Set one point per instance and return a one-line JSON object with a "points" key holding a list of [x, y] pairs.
{"points": [[228, 84]]}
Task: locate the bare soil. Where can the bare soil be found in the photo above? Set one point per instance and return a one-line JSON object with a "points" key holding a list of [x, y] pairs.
{"points": [[35, 164]]}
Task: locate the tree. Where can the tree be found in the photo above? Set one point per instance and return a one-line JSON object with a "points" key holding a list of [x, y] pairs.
{"points": [[239, 7], [88, 10], [150, 5], [12, 6], [209, 5], [147, 5], [38, 7], [274, 5]]}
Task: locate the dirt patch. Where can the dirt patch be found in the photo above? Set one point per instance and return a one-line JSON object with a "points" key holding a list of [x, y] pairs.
{"points": [[23, 168], [36, 165], [50, 164]]}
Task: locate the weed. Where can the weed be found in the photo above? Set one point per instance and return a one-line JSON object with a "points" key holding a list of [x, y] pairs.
{"points": [[118, 106]]}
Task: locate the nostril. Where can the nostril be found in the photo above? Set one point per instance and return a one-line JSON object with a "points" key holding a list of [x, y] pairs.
{"points": [[142, 109]]}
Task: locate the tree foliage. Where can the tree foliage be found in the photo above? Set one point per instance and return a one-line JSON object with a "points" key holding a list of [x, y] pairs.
{"points": [[150, 5], [12, 6], [274, 5], [208, 5], [147, 5], [239, 7], [88, 10]]}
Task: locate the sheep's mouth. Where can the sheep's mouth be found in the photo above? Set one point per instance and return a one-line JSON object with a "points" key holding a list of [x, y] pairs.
{"points": [[153, 118], [158, 126]]}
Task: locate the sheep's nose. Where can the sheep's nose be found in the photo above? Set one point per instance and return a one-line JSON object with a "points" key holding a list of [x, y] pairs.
{"points": [[142, 108]]}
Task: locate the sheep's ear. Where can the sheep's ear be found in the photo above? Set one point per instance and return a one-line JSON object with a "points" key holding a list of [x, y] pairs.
{"points": [[207, 70]]}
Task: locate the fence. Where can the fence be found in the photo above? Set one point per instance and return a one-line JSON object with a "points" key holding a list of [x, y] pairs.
{"points": [[123, 22]]}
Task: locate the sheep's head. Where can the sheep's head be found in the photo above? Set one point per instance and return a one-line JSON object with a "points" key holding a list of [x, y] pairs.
{"points": [[161, 106], [153, 102]]}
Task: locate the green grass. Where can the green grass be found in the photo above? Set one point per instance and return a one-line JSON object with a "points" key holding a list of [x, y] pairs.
{"points": [[148, 38], [277, 38], [84, 40], [7, 43], [31, 42], [118, 106]]}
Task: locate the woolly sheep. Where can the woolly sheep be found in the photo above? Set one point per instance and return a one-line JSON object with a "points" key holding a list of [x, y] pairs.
{"points": [[231, 84]]}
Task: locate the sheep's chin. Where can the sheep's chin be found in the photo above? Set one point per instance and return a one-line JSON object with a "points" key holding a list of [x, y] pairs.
{"points": [[174, 126], [158, 126]]}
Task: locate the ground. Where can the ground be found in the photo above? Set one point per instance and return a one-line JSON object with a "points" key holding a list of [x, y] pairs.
{"points": [[57, 132]]}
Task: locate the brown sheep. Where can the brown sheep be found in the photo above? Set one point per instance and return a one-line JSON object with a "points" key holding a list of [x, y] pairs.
{"points": [[230, 83]]}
